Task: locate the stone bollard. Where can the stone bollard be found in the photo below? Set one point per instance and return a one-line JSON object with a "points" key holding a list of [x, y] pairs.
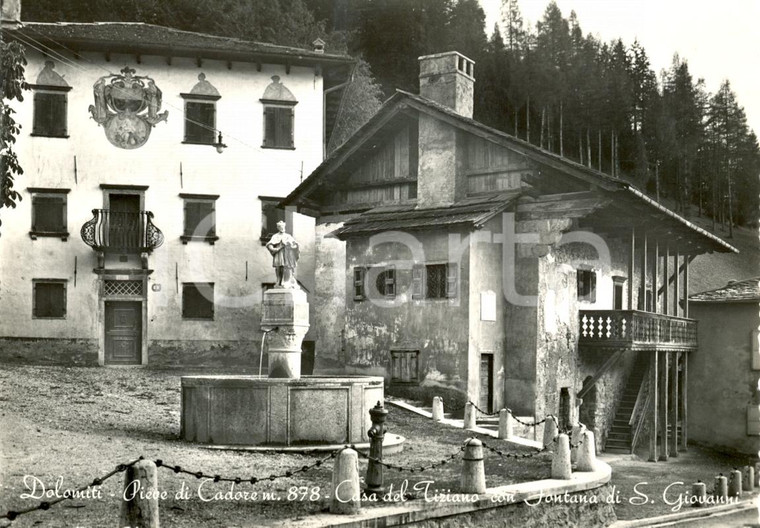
{"points": [[735, 483], [561, 468], [586, 452], [749, 478], [550, 433], [469, 416], [345, 483], [376, 434], [437, 409], [141, 486], [575, 437], [473, 471], [506, 426], [720, 490], [699, 490]]}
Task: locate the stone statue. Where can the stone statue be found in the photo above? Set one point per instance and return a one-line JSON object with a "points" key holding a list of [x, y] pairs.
{"points": [[285, 252]]}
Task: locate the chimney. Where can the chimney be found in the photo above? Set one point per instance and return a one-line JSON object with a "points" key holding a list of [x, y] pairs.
{"points": [[11, 14], [445, 78]]}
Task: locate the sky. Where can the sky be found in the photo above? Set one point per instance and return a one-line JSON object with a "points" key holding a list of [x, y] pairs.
{"points": [[719, 39]]}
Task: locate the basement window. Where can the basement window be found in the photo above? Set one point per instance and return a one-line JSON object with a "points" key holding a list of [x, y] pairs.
{"points": [[405, 366], [586, 285], [198, 300], [49, 298]]}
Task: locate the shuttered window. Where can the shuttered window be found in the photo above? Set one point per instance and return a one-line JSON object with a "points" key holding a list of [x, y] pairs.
{"points": [[386, 282], [48, 212], [198, 300], [270, 215], [359, 274], [278, 126], [200, 122], [435, 283], [405, 366], [200, 217], [49, 299], [586, 285], [50, 114]]}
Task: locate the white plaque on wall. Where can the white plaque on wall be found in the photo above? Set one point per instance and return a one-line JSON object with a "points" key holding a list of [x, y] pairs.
{"points": [[487, 306]]}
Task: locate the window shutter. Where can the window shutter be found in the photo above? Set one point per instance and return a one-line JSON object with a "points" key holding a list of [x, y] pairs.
{"points": [[359, 274], [592, 287], [42, 113], [192, 217], [59, 104], [208, 118], [451, 279], [291, 127], [200, 122], [47, 214], [390, 282], [418, 281], [269, 126], [57, 300], [206, 213]]}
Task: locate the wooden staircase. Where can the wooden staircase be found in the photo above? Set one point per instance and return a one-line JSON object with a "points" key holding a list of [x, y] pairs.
{"points": [[620, 435]]}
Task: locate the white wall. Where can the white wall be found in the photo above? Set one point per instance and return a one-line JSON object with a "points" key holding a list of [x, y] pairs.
{"points": [[239, 175]]}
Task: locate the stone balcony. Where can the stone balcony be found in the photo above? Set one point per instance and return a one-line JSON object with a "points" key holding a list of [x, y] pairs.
{"points": [[636, 330]]}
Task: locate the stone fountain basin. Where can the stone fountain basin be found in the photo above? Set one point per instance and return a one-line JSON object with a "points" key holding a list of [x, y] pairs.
{"points": [[253, 410]]}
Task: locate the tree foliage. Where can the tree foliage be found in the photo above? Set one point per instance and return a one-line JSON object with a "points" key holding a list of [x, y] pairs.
{"points": [[12, 78], [599, 103]]}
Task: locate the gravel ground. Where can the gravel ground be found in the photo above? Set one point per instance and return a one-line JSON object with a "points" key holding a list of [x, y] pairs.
{"points": [[76, 424]]}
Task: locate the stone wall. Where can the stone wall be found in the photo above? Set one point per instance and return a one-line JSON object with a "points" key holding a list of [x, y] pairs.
{"points": [[438, 328], [587, 511], [721, 382], [49, 351], [213, 353], [329, 298]]}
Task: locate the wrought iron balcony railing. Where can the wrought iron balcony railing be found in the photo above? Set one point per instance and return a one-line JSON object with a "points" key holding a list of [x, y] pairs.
{"points": [[119, 231], [636, 330]]}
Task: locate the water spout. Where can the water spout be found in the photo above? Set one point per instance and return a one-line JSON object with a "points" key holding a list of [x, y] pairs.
{"points": [[261, 351]]}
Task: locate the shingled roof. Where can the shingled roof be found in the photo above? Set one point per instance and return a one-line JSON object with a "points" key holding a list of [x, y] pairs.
{"points": [[136, 37], [747, 290], [470, 213]]}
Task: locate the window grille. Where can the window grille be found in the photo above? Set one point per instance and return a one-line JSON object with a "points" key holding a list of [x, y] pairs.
{"points": [[122, 287]]}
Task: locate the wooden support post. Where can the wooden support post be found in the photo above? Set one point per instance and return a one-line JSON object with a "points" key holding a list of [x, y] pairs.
{"points": [[631, 268], [643, 290], [674, 393], [653, 377], [655, 277], [676, 294], [686, 259], [664, 406], [666, 292], [684, 401]]}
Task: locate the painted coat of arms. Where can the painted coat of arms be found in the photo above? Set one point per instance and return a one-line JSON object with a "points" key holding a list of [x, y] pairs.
{"points": [[127, 106]]}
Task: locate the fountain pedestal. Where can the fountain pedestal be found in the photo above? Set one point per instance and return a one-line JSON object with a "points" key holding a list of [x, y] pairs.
{"points": [[286, 320]]}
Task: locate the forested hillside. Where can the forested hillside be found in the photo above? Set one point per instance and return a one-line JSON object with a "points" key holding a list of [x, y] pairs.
{"points": [[599, 103]]}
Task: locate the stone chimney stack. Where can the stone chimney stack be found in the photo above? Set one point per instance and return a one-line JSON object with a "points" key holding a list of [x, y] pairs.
{"points": [[11, 14], [445, 78]]}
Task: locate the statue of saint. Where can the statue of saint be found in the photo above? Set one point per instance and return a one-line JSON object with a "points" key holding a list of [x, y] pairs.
{"points": [[285, 252]]}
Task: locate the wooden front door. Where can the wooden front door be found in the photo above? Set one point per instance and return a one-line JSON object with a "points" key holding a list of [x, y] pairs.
{"points": [[486, 382], [123, 333]]}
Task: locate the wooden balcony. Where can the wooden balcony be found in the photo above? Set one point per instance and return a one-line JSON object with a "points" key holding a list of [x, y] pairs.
{"points": [[636, 330], [121, 231]]}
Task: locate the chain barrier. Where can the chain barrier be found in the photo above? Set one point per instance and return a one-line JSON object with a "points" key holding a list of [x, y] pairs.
{"points": [[45, 505], [503, 454], [412, 469], [534, 424], [253, 480]]}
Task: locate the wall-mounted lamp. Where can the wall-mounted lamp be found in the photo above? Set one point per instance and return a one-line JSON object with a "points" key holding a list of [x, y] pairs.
{"points": [[220, 146]]}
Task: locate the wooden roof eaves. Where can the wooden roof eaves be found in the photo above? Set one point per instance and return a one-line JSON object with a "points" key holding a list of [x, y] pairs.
{"points": [[341, 154]]}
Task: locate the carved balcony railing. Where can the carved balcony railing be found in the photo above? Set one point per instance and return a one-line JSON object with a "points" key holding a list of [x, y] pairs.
{"points": [[635, 330], [118, 231]]}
